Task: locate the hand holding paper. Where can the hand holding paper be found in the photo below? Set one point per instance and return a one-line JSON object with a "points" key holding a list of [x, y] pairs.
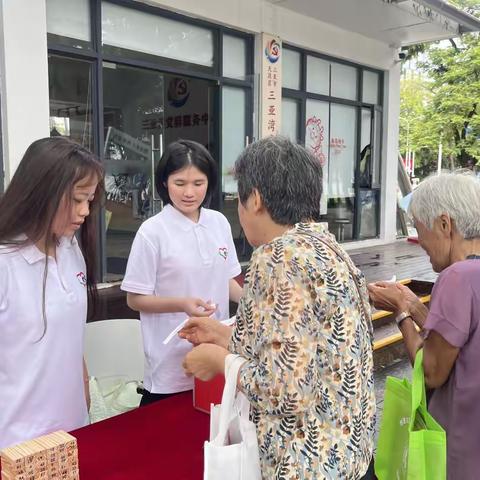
{"points": [[196, 307], [174, 332], [206, 330]]}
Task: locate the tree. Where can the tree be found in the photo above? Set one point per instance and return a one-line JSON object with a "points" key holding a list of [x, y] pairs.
{"points": [[415, 96], [470, 6], [452, 114], [441, 102]]}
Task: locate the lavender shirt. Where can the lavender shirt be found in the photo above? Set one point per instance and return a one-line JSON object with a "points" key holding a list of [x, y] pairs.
{"points": [[454, 314]]}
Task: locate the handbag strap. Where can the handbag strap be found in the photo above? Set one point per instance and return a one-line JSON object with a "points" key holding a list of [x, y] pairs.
{"points": [[227, 408], [350, 265], [419, 397]]}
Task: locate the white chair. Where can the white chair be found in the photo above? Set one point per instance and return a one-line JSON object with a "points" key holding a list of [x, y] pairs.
{"points": [[114, 348]]}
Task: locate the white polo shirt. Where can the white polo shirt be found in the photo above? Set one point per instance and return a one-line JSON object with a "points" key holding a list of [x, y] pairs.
{"points": [[41, 381], [172, 256]]}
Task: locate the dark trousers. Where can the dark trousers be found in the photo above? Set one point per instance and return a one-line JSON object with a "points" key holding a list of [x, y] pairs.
{"points": [[370, 475], [148, 398]]}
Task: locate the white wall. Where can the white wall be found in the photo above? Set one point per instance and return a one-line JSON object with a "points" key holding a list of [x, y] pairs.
{"points": [[23, 78], [390, 152], [261, 16]]}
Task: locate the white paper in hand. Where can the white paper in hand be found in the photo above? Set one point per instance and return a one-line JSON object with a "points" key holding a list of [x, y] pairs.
{"points": [[175, 331], [229, 321]]}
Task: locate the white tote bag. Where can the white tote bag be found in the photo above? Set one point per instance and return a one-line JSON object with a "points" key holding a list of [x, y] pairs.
{"points": [[232, 451]]}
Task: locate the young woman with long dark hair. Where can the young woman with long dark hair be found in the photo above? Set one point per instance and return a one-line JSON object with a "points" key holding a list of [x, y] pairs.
{"points": [[182, 263], [46, 277]]}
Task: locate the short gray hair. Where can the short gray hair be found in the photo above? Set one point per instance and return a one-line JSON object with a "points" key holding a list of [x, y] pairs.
{"points": [[287, 176], [456, 194]]}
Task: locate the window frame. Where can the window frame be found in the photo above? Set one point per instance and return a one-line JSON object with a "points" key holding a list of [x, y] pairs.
{"points": [[302, 95]]}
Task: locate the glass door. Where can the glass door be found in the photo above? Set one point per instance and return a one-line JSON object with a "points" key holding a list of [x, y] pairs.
{"points": [[133, 117], [144, 110]]}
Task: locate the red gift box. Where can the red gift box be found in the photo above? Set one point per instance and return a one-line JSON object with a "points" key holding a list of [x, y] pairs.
{"points": [[206, 393]]}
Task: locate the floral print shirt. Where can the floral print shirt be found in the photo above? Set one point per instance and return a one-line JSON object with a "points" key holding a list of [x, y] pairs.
{"points": [[309, 369]]}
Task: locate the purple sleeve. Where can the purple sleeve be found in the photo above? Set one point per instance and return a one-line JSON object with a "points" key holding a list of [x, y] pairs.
{"points": [[450, 312]]}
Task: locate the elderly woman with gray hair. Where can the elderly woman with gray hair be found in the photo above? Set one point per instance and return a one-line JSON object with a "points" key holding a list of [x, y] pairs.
{"points": [[446, 212], [303, 326]]}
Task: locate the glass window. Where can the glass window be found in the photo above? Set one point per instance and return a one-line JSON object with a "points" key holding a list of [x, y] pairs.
{"points": [[368, 213], [144, 108], [130, 32], [318, 75], [377, 150], [343, 134], [233, 134], [370, 87], [133, 114], [365, 170], [234, 57], [233, 142], [344, 81], [291, 69], [341, 170], [289, 125], [68, 22], [70, 92], [316, 139]]}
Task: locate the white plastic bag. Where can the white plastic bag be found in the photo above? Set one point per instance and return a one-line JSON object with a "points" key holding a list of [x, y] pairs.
{"points": [[232, 451], [110, 396]]}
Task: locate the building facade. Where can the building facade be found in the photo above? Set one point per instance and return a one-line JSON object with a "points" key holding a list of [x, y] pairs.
{"points": [[125, 78]]}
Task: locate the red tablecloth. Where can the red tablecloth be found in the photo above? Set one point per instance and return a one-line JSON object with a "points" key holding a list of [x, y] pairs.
{"points": [[162, 441]]}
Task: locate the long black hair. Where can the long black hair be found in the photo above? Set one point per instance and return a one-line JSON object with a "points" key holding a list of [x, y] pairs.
{"points": [[181, 154], [47, 174]]}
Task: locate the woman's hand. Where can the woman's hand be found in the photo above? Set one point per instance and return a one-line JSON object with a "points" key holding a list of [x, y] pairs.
{"points": [[206, 330], [414, 305], [205, 361], [196, 307], [390, 296]]}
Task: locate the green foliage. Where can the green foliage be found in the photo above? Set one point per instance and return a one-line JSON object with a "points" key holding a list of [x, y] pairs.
{"points": [[470, 6], [444, 102]]}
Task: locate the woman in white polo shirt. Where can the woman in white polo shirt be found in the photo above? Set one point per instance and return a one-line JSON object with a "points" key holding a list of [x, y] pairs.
{"points": [[182, 263], [44, 280]]}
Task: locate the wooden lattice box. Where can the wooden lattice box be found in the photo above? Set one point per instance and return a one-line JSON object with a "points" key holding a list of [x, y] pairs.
{"points": [[53, 456]]}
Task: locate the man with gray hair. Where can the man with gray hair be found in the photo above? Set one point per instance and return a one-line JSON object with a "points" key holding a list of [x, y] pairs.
{"points": [[446, 213]]}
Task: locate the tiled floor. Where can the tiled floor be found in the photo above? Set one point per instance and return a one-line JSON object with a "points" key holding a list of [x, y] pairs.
{"points": [[401, 258]]}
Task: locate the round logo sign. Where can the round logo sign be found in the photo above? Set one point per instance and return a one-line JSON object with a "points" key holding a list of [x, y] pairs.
{"points": [[272, 50], [178, 92]]}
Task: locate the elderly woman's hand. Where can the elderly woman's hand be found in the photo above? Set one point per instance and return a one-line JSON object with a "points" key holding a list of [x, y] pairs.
{"points": [[206, 330], [390, 296], [205, 361]]}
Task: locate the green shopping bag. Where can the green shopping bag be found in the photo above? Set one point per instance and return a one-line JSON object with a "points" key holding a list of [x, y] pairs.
{"points": [[411, 444]]}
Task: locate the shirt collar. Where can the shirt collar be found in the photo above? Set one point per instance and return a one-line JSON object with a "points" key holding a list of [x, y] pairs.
{"points": [[183, 222], [32, 254], [318, 227]]}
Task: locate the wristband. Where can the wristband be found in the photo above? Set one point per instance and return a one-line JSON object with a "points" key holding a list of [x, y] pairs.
{"points": [[402, 316]]}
